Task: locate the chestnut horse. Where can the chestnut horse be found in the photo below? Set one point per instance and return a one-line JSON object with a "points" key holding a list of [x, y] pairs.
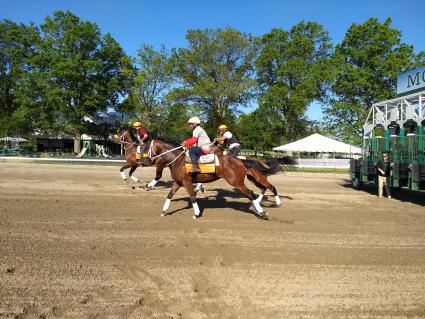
{"points": [[130, 146], [233, 170]]}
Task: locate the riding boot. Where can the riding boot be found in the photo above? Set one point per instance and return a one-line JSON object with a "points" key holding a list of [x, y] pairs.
{"points": [[195, 169]]}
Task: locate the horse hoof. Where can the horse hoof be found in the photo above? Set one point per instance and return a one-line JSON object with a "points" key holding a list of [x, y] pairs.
{"points": [[163, 214], [194, 216], [133, 187], [277, 204], [264, 215]]}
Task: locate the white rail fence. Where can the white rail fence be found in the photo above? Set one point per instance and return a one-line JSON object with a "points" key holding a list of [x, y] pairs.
{"points": [[302, 162]]}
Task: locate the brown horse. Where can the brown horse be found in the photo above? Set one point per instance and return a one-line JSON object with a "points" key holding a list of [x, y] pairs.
{"points": [[233, 170], [130, 146]]}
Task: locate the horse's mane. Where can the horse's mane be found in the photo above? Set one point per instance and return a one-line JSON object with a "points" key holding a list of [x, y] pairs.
{"points": [[169, 142]]}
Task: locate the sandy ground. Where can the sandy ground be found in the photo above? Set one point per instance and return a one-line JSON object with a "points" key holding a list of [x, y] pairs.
{"points": [[77, 242]]}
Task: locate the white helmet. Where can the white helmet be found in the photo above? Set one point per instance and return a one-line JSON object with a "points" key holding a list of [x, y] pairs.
{"points": [[194, 120]]}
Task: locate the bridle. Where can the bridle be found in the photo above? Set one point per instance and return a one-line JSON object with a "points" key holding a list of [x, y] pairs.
{"points": [[152, 155], [122, 142]]}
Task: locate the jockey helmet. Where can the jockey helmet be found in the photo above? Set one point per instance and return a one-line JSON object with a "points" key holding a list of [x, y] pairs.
{"points": [[194, 120], [137, 124], [222, 127]]}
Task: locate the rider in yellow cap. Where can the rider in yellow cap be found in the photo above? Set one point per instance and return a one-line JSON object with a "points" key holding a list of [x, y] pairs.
{"points": [[228, 140], [143, 137]]}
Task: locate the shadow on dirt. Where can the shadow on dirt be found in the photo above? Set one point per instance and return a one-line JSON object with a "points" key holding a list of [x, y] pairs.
{"points": [[403, 194], [219, 200]]}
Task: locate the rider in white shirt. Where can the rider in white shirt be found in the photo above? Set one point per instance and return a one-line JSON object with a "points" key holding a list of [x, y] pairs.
{"points": [[200, 141]]}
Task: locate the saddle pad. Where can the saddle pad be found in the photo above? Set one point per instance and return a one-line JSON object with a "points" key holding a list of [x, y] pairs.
{"points": [[205, 159], [205, 168]]}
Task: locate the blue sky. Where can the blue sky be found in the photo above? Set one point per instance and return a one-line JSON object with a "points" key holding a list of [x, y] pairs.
{"points": [[132, 23]]}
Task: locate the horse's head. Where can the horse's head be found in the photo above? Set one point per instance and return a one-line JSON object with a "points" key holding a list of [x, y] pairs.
{"points": [[124, 137]]}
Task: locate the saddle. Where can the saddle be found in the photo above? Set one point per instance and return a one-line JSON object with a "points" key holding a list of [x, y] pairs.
{"points": [[207, 163]]}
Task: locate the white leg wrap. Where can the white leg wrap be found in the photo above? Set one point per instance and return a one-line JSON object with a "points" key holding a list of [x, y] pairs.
{"points": [[257, 206], [260, 198], [139, 149], [196, 209], [278, 201], [134, 178], [152, 183], [123, 175], [198, 187], [166, 205]]}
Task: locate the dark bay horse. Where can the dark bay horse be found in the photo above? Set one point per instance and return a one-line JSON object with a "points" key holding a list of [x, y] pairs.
{"points": [[259, 170], [233, 170], [130, 145]]}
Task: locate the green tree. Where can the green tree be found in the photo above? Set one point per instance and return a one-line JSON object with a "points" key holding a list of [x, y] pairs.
{"points": [[75, 74], [293, 69], [367, 62], [151, 84], [261, 129], [215, 73], [16, 48]]}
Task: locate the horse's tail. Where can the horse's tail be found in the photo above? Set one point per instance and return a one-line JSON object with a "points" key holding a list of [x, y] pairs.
{"points": [[269, 167]]}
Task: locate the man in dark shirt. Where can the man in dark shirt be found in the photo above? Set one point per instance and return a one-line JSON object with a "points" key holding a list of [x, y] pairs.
{"points": [[142, 137], [229, 140], [384, 168]]}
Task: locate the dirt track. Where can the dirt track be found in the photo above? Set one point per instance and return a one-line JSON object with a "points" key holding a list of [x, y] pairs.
{"points": [[76, 242]]}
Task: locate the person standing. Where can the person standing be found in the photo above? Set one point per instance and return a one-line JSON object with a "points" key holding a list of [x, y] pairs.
{"points": [[229, 140], [384, 168], [199, 141]]}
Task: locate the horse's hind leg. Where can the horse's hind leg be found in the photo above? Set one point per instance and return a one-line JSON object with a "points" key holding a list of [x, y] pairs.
{"points": [[240, 185], [258, 185], [132, 169], [199, 187], [261, 182], [122, 169], [170, 195]]}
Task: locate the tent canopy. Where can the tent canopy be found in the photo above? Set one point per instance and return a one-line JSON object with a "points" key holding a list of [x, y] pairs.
{"points": [[320, 144]]}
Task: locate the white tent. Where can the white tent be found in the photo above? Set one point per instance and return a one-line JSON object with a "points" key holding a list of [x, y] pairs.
{"points": [[320, 144]]}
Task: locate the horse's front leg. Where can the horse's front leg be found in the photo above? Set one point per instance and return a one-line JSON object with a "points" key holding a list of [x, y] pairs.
{"points": [[170, 195], [158, 175], [187, 183]]}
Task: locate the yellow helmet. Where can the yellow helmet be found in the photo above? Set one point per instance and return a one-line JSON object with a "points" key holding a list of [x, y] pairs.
{"points": [[137, 124], [222, 127]]}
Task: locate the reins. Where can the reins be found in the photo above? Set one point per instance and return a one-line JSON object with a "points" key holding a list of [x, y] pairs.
{"points": [[151, 151]]}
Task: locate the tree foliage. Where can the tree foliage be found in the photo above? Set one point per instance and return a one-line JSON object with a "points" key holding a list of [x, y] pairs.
{"points": [[151, 83], [261, 129], [75, 73], [58, 77], [16, 48], [214, 73], [293, 69], [367, 63]]}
